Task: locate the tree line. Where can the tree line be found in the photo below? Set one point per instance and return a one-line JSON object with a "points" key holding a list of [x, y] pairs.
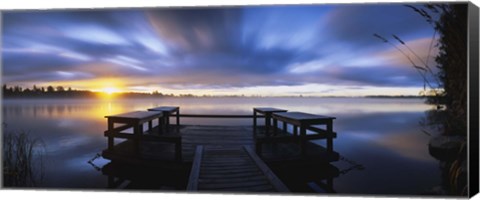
{"points": [[49, 91], [61, 91]]}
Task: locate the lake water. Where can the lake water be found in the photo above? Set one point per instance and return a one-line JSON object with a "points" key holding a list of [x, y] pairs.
{"points": [[383, 135]]}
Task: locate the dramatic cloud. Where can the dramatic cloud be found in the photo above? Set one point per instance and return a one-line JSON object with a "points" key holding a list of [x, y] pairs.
{"points": [[240, 48]]}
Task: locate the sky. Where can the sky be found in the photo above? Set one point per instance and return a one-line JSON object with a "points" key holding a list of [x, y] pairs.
{"points": [[309, 50]]}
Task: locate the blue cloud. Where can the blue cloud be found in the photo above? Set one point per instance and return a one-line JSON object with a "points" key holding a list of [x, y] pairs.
{"points": [[212, 47]]}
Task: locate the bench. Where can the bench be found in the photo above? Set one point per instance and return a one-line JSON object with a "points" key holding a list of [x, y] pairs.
{"points": [[267, 113], [136, 120], [301, 122], [167, 111]]}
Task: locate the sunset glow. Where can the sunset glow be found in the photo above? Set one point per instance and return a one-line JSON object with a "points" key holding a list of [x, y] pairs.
{"points": [[314, 50], [110, 90]]}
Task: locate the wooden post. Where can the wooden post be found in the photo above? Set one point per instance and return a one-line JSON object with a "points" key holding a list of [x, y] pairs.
{"points": [[137, 131], [160, 124], [330, 136], [303, 143], [167, 122], [267, 123], [295, 130], [254, 123], [285, 126], [150, 125], [195, 171], [110, 136], [178, 120], [275, 124]]}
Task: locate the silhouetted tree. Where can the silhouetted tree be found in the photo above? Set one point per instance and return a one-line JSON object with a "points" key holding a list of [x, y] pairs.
{"points": [[60, 89], [17, 89], [4, 89], [50, 89], [452, 62]]}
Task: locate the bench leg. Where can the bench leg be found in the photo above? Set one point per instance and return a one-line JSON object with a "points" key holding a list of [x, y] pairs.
{"points": [[110, 143], [137, 131], [167, 121], [330, 139], [254, 123], [303, 142], [275, 124], [110, 138], [178, 121], [160, 125], [267, 124]]}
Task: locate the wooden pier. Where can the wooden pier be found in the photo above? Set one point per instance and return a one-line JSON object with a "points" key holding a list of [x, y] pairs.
{"points": [[159, 150], [222, 158], [235, 169]]}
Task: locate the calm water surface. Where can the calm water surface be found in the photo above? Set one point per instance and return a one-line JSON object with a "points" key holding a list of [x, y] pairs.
{"points": [[383, 135]]}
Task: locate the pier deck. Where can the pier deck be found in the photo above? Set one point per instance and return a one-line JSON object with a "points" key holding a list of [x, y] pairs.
{"points": [[222, 158], [235, 169], [160, 153]]}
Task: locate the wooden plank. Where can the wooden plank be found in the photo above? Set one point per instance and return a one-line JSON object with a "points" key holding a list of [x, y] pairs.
{"points": [[322, 131], [204, 185], [229, 171], [228, 176], [170, 109], [264, 110], [195, 171], [289, 138], [300, 118], [231, 167], [135, 116], [225, 160], [233, 180], [222, 164], [274, 180], [258, 188], [151, 138], [118, 129], [121, 135]]}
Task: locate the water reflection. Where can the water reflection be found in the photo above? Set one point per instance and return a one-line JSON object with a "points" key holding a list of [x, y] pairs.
{"points": [[124, 176], [381, 134], [307, 177]]}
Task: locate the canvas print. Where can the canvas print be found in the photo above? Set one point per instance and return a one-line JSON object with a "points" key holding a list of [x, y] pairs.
{"points": [[349, 99]]}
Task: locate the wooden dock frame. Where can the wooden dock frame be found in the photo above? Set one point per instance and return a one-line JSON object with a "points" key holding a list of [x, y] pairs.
{"points": [[178, 140]]}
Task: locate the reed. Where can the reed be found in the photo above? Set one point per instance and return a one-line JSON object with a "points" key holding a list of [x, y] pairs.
{"points": [[23, 159]]}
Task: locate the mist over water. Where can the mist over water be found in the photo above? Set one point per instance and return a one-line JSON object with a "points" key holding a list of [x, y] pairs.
{"points": [[383, 135]]}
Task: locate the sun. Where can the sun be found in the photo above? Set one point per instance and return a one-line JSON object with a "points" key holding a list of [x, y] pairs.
{"points": [[110, 90]]}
